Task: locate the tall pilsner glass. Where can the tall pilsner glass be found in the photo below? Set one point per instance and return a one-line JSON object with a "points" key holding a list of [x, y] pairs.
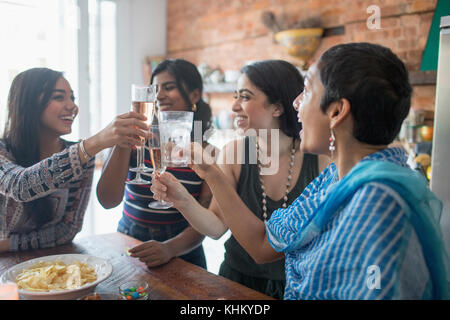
{"points": [[173, 135], [175, 128], [143, 101]]}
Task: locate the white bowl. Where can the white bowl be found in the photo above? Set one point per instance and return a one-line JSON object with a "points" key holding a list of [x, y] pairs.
{"points": [[102, 268]]}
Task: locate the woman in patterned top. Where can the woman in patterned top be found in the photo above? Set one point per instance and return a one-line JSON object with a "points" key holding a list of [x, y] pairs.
{"points": [[45, 181], [368, 226], [165, 232]]}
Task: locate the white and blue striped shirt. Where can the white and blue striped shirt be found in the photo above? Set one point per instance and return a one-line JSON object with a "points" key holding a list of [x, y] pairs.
{"points": [[368, 250]]}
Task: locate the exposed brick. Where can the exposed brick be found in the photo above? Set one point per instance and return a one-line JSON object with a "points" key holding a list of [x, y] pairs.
{"points": [[228, 33], [394, 10], [410, 32], [396, 33], [422, 5], [410, 20]]}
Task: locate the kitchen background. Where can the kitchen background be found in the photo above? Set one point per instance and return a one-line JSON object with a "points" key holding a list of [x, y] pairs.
{"points": [[104, 46]]}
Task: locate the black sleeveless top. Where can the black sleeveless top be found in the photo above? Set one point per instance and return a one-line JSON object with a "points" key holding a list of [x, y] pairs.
{"points": [[249, 189]]}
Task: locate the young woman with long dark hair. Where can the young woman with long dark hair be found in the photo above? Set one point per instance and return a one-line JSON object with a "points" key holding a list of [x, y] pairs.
{"points": [[45, 181], [165, 232]]}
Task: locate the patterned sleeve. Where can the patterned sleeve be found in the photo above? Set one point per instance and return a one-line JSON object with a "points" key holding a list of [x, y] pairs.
{"points": [[53, 177], [366, 260], [62, 230], [27, 184]]}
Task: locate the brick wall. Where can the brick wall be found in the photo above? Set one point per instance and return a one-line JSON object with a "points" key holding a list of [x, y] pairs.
{"points": [[228, 33]]}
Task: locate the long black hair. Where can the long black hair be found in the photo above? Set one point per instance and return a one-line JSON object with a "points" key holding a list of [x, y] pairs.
{"points": [[187, 76], [281, 82], [29, 95]]}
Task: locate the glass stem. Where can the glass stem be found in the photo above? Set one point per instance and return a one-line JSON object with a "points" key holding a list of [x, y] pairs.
{"points": [[142, 165], [139, 161]]}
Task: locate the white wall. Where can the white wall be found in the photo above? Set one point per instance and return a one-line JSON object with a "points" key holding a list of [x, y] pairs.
{"points": [[141, 31], [440, 175]]}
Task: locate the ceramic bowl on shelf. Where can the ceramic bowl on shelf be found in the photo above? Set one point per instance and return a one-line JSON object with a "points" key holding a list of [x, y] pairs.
{"points": [[300, 43]]}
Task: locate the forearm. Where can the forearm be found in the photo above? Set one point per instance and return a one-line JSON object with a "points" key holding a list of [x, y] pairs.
{"points": [[110, 187], [48, 237], [184, 242], [244, 225], [41, 179], [92, 146], [60, 230], [202, 219]]}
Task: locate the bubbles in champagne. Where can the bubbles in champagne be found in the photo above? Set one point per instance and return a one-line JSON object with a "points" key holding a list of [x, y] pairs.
{"points": [[155, 156]]}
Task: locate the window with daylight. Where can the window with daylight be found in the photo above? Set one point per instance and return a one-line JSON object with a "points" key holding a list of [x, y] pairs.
{"points": [[77, 37], [37, 34]]}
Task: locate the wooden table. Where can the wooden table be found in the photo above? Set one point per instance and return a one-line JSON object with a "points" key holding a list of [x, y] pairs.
{"points": [[176, 280]]}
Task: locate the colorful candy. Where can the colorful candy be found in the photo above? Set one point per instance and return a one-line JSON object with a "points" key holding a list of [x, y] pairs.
{"points": [[134, 293]]}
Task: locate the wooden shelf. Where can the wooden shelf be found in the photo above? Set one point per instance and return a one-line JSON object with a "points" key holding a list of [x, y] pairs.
{"points": [[415, 78], [422, 77]]}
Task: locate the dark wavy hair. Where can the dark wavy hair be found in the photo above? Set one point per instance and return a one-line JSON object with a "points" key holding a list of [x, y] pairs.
{"points": [[375, 82], [187, 76], [281, 82], [29, 95]]}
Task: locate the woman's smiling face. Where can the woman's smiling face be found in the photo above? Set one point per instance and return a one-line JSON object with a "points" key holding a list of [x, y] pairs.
{"points": [[251, 108], [169, 97], [315, 131], [58, 116]]}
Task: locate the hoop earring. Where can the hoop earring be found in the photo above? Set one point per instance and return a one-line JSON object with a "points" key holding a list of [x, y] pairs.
{"points": [[332, 147], [194, 107]]}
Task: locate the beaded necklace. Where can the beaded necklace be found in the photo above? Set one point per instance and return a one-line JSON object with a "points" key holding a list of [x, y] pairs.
{"points": [[288, 184]]}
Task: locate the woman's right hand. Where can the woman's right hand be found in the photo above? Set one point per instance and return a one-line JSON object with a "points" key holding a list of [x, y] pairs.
{"points": [[124, 131], [166, 187]]}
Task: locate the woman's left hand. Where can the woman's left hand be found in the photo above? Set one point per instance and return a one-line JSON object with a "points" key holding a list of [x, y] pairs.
{"points": [[152, 253]]}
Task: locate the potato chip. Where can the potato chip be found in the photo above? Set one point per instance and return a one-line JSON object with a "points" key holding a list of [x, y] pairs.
{"points": [[55, 275]]}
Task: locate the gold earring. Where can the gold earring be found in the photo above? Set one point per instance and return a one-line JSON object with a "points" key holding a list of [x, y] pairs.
{"points": [[194, 107]]}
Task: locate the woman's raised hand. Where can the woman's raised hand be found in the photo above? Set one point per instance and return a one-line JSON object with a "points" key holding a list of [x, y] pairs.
{"points": [[124, 131], [166, 187]]}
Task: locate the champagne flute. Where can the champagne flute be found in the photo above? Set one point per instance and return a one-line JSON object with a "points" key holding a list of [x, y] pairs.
{"points": [[159, 167], [143, 101]]}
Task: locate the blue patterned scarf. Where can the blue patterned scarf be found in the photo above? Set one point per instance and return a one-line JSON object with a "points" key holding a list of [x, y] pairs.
{"points": [[423, 212]]}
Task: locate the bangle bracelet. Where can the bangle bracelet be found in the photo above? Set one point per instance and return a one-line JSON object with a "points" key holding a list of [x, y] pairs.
{"points": [[83, 151]]}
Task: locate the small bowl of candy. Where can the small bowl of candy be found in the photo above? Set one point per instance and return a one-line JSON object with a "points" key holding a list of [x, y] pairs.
{"points": [[134, 290]]}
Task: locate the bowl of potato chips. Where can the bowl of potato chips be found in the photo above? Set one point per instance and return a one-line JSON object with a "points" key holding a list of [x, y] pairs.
{"points": [[58, 277]]}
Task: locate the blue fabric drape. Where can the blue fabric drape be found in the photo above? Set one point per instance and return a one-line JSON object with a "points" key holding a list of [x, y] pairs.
{"points": [[423, 211]]}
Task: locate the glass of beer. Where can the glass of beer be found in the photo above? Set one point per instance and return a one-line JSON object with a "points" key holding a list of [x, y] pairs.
{"points": [[143, 101], [154, 143]]}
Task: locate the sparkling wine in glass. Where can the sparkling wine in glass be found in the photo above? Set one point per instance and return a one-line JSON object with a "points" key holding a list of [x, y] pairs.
{"points": [[143, 102], [159, 167]]}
